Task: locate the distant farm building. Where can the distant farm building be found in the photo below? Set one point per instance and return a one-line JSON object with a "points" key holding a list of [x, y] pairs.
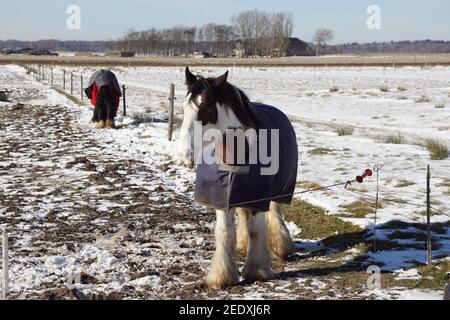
{"points": [[201, 55], [127, 54], [294, 47], [297, 47], [239, 51]]}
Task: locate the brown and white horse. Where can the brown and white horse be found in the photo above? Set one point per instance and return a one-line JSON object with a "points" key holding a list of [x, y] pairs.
{"points": [[218, 105]]}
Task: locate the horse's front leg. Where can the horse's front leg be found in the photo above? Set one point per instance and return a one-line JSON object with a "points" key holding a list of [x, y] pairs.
{"points": [[223, 271], [257, 264]]}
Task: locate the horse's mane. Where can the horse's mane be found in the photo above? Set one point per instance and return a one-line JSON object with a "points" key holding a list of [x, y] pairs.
{"points": [[234, 98]]}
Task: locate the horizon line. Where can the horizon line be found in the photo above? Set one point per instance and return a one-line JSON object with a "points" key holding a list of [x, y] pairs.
{"points": [[335, 44]]}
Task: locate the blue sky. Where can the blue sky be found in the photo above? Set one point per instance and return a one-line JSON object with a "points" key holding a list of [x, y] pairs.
{"points": [[109, 19]]}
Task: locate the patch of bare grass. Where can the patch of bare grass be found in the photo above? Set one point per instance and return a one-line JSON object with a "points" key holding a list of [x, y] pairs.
{"points": [[314, 223], [344, 131], [437, 149]]}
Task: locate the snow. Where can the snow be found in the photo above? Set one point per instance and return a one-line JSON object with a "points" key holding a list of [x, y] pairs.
{"points": [[413, 294], [408, 274], [150, 281], [304, 94]]}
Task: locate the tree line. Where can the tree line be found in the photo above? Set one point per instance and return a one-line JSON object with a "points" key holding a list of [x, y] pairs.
{"points": [[58, 45], [411, 47], [255, 32], [422, 46]]}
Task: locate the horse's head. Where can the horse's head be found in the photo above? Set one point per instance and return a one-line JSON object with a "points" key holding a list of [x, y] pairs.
{"points": [[200, 105], [215, 104]]}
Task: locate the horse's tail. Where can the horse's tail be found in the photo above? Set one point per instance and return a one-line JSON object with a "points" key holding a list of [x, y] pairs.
{"points": [[106, 101]]}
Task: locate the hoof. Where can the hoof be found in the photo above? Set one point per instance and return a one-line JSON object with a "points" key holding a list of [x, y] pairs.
{"points": [[101, 125], [285, 251], [216, 283], [242, 248], [110, 124], [258, 275]]}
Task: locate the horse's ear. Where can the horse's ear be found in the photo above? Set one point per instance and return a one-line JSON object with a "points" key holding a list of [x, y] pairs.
{"points": [[190, 78], [220, 80]]}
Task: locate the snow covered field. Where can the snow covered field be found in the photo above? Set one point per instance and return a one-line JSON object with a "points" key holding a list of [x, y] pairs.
{"points": [[113, 204], [376, 103]]}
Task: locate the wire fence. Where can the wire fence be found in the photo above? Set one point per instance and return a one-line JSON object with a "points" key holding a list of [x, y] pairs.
{"points": [[72, 82]]}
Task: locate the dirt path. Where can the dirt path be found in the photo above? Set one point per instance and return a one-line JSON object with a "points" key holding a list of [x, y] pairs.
{"points": [[75, 207], [63, 190]]}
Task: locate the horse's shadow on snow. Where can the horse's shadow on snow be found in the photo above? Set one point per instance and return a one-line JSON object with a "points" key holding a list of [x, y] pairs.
{"points": [[340, 243]]}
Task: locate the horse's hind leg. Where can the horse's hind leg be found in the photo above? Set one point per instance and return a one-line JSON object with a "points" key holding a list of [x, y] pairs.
{"points": [[224, 272], [257, 264], [242, 230], [280, 240], [95, 116], [111, 114], [102, 114]]}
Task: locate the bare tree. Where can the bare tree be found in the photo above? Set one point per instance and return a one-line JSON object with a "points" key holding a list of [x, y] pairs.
{"points": [[321, 37], [264, 33], [282, 26], [261, 24], [244, 28], [260, 32]]}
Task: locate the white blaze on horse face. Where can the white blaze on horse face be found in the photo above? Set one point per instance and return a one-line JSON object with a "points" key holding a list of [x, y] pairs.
{"points": [[185, 150]]}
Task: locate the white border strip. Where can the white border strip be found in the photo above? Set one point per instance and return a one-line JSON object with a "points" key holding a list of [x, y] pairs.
{"points": [[5, 271]]}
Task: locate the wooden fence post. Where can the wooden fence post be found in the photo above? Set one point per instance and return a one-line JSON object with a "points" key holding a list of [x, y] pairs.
{"points": [[171, 110], [64, 80], [124, 95], [81, 87], [5, 271], [429, 244], [71, 83]]}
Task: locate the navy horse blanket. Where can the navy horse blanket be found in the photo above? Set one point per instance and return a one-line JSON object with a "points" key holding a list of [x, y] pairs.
{"points": [[103, 78], [226, 188]]}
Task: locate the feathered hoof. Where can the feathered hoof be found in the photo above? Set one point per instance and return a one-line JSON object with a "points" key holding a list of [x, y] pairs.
{"points": [[220, 282], [284, 251], [258, 275], [101, 125], [241, 247], [110, 124]]}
